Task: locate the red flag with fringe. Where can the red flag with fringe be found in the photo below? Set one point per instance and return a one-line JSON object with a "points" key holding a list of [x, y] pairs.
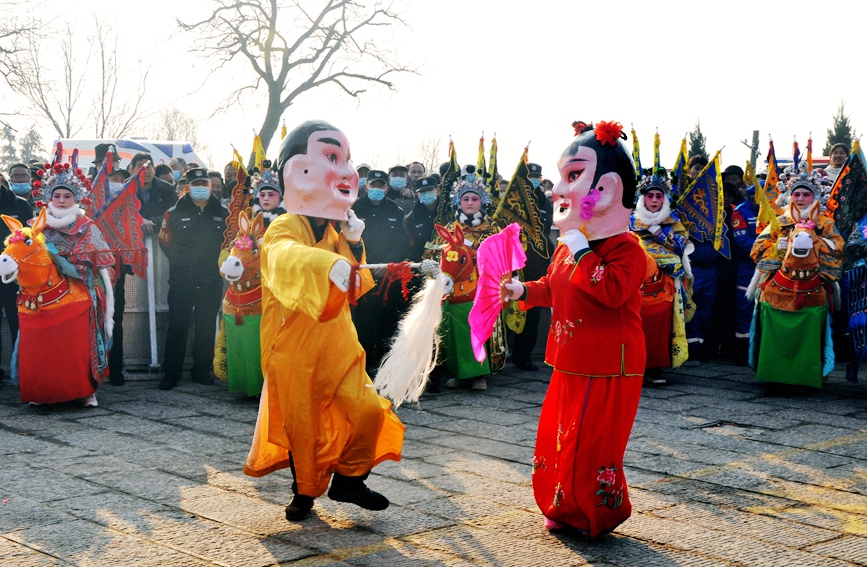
{"points": [[120, 224]]}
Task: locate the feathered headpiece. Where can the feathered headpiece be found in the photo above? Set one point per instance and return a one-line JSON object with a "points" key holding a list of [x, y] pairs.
{"points": [[267, 179], [654, 180], [818, 182], [470, 185], [61, 176]]}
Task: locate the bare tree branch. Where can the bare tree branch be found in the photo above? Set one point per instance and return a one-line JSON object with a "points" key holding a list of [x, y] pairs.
{"points": [[291, 49]]}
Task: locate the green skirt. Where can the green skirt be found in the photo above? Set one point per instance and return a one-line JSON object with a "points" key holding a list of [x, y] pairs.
{"points": [[243, 356], [791, 345], [457, 351]]}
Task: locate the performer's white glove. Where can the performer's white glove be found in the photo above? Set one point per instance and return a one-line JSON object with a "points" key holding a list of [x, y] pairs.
{"points": [[574, 240], [511, 290], [352, 228], [782, 243], [339, 275], [654, 228]]}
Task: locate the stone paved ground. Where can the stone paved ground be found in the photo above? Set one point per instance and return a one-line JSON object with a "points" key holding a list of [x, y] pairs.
{"points": [[720, 474]]}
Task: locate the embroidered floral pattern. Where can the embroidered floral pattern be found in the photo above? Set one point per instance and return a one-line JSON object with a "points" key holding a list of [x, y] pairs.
{"points": [[563, 331], [539, 464], [559, 436], [558, 495], [569, 260], [598, 274], [452, 256], [611, 497]]}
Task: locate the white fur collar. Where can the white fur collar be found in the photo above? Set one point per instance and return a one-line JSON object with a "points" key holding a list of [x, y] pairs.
{"points": [[648, 218], [62, 218], [478, 218]]}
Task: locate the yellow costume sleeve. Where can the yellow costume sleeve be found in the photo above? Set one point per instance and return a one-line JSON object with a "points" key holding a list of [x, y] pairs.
{"points": [[295, 268]]}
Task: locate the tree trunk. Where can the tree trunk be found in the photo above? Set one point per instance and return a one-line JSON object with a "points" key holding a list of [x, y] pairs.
{"points": [[270, 124]]}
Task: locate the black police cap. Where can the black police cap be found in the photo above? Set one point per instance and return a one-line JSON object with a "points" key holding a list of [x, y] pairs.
{"points": [[534, 168], [426, 183], [197, 174], [376, 175]]}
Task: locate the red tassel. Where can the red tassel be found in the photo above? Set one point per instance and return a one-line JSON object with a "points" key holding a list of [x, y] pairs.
{"points": [[396, 271], [238, 319], [353, 288]]}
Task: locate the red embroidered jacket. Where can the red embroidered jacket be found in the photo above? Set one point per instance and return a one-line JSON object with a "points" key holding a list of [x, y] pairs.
{"points": [[596, 321]]}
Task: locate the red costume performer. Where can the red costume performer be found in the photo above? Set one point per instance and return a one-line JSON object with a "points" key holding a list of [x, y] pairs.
{"points": [[596, 342]]}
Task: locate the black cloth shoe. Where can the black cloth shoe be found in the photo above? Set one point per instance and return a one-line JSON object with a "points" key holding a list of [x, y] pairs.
{"points": [[168, 383], [205, 379], [352, 489], [116, 378], [299, 508], [527, 365]]}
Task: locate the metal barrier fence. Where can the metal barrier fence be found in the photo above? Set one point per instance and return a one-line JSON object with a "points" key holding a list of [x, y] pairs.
{"points": [[142, 346]]}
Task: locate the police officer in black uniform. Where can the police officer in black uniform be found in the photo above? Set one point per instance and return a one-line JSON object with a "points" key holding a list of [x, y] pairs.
{"points": [[191, 237], [420, 220], [385, 241], [13, 204], [537, 266]]}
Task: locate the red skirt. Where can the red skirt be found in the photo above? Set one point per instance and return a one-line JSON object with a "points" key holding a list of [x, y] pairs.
{"points": [[657, 320], [578, 475], [54, 355]]}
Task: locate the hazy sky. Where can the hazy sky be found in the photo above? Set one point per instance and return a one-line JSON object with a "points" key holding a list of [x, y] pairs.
{"points": [[526, 71]]}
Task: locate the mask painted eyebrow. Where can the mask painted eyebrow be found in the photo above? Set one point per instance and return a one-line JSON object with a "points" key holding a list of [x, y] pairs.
{"points": [[574, 160], [331, 141]]}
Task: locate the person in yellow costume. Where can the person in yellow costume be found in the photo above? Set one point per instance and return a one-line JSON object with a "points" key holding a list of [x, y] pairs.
{"points": [[319, 413]]}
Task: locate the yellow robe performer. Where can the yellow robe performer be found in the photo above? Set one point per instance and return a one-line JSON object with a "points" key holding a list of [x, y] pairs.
{"points": [[317, 402]]}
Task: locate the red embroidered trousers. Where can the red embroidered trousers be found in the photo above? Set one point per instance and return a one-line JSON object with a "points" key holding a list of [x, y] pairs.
{"points": [[578, 464]]}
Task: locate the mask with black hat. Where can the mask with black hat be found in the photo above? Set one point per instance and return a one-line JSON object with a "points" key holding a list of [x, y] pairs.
{"points": [[377, 184], [426, 189], [535, 174], [194, 179], [396, 182]]}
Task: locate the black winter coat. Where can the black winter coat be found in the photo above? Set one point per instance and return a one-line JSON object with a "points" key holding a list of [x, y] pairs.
{"points": [[191, 239]]}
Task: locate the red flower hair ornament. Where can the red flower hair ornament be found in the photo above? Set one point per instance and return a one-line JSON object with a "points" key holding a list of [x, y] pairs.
{"points": [[609, 132]]}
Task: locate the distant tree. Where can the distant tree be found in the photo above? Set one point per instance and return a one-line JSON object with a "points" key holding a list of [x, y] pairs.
{"points": [[841, 132], [430, 151], [291, 47], [8, 152], [174, 125], [70, 80], [31, 146], [697, 142]]}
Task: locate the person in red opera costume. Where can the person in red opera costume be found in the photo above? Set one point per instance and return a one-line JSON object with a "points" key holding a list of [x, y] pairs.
{"points": [[595, 343]]}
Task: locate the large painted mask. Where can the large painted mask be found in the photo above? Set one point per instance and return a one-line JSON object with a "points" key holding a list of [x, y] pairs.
{"points": [[597, 182], [316, 172]]}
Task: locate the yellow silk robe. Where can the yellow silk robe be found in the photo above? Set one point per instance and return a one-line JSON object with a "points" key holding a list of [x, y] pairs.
{"points": [[317, 401]]}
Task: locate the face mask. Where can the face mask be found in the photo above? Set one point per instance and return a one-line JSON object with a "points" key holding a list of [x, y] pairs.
{"points": [[362, 181], [21, 188], [200, 193], [115, 188], [427, 197], [397, 183], [536, 182], [176, 175], [376, 194]]}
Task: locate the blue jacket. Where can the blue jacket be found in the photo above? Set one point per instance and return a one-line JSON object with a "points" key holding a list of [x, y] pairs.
{"points": [[744, 225]]}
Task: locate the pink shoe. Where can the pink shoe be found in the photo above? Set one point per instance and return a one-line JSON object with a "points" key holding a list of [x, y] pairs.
{"points": [[551, 525]]}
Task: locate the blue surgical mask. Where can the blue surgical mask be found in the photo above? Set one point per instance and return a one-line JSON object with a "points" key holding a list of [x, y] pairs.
{"points": [[376, 194], [115, 188], [362, 181], [536, 182], [199, 193], [21, 188], [397, 183], [176, 175], [427, 197]]}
